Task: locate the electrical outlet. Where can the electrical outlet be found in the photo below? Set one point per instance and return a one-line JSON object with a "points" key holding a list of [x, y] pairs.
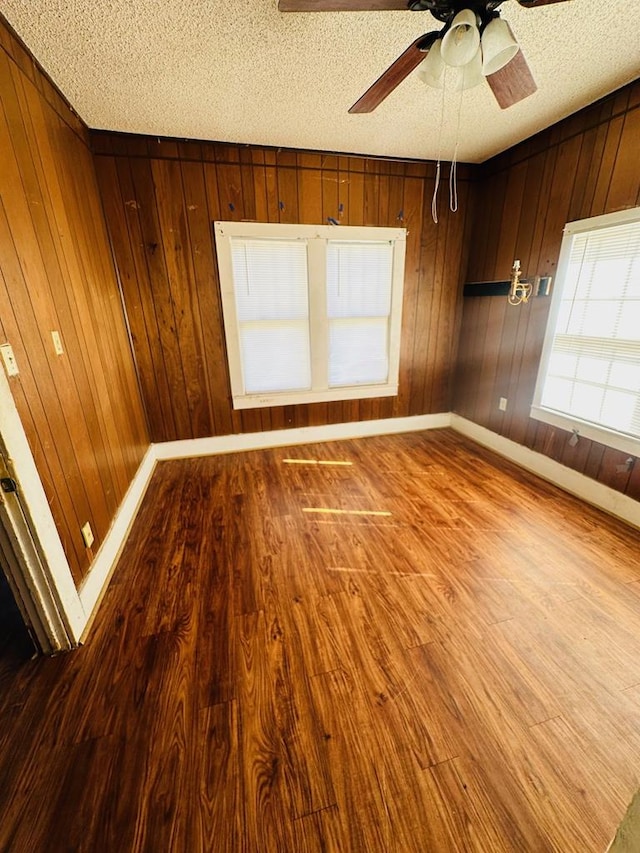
{"points": [[57, 343], [9, 360], [87, 535], [502, 405]]}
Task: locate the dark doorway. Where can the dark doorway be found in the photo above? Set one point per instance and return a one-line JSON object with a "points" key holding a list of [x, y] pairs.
{"points": [[16, 644]]}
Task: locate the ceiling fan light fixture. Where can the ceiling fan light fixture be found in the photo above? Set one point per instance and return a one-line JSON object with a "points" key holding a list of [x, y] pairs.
{"points": [[460, 42], [498, 46], [431, 69], [470, 75]]}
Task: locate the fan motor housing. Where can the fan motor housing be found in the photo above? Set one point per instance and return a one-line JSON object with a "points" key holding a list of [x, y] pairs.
{"points": [[446, 10]]}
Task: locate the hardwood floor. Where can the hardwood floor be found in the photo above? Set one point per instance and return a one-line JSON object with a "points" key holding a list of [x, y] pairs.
{"points": [[274, 669]]}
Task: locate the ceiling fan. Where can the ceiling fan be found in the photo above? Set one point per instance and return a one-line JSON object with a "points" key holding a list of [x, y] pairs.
{"points": [[474, 38]]}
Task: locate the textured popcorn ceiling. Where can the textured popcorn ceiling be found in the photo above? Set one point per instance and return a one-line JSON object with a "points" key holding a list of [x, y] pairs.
{"points": [[240, 71]]}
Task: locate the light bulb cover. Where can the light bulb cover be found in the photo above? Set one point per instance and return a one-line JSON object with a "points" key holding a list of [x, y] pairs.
{"points": [[498, 46], [460, 42], [470, 75], [431, 69]]}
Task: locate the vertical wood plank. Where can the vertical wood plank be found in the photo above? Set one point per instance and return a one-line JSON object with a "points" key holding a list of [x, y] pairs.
{"points": [[172, 221], [625, 179], [413, 213], [157, 293]]}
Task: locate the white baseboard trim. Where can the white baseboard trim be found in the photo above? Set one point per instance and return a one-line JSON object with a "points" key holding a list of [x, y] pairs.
{"points": [[95, 584], [590, 491], [299, 435]]}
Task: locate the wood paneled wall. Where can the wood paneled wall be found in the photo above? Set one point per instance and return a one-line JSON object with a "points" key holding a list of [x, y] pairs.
{"points": [[584, 166], [82, 411], [161, 199]]}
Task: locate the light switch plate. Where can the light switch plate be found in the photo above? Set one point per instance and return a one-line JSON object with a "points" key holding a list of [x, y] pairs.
{"points": [[87, 535], [9, 359], [57, 343]]}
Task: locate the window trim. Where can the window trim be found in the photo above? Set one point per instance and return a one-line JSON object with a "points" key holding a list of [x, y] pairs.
{"points": [[611, 438], [316, 237]]}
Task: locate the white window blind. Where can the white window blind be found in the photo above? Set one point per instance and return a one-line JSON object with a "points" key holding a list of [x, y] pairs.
{"points": [[311, 313], [359, 279], [273, 314], [591, 369]]}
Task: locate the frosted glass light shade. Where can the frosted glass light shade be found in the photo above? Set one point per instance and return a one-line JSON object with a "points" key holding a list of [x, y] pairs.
{"points": [[498, 46], [431, 69], [460, 42], [470, 75]]}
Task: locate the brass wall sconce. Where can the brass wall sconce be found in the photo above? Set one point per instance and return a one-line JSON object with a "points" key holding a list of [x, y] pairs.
{"points": [[520, 290]]}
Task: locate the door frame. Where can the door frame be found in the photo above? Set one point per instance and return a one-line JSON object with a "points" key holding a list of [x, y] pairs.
{"points": [[36, 565]]}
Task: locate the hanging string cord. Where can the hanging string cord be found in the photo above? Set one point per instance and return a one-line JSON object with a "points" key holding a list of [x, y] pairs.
{"points": [[453, 182], [434, 200], [453, 172]]}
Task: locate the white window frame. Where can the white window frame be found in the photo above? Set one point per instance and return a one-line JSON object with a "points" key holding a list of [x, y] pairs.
{"points": [[618, 440], [316, 238]]}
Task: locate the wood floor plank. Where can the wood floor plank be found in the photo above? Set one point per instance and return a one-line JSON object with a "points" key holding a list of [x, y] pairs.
{"points": [[376, 796], [459, 674], [466, 819], [218, 812], [265, 764], [318, 832]]}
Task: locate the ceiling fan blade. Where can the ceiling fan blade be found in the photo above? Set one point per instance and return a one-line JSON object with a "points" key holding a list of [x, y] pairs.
{"points": [[341, 5], [395, 74], [530, 4], [513, 83]]}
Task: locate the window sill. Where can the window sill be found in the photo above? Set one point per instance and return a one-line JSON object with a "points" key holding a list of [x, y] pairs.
{"points": [[331, 395]]}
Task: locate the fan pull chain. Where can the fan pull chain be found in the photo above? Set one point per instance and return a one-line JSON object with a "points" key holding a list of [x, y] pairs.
{"points": [[453, 172], [453, 184], [434, 200]]}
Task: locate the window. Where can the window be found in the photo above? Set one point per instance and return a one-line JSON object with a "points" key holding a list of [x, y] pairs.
{"points": [[589, 378], [311, 313]]}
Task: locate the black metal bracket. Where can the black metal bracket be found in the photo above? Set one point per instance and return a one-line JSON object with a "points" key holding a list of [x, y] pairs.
{"points": [[8, 485], [542, 287]]}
